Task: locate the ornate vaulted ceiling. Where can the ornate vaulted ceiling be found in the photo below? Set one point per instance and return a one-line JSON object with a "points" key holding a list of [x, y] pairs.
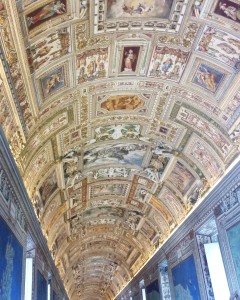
{"points": [[120, 115]]}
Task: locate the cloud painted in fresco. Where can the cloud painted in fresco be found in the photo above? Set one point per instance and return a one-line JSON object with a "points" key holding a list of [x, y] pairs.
{"points": [[150, 9]]}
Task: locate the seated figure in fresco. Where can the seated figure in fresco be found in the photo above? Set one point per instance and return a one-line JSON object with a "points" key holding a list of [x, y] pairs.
{"points": [[230, 11], [46, 12]]}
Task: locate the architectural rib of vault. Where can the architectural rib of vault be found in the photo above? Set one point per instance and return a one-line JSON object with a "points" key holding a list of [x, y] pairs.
{"points": [[120, 115]]}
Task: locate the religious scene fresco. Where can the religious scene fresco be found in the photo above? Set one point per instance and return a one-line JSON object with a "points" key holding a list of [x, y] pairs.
{"points": [[111, 173], [130, 59], [108, 189], [168, 63], [136, 9], [115, 153], [54, 46], [220, 45], [45, 13], [52, 82], [208, 78], [125, 102], [228, 9], [121, 115], [92, 64], [156, 167], [48, 187], [83, 8]]}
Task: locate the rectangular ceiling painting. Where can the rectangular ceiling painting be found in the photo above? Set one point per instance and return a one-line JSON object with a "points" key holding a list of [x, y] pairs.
{"points": [[135, 9]]}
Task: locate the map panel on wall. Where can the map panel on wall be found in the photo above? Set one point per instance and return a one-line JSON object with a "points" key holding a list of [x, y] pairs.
{"points": [[152, 291], [185, 280], [41, 287], [11, 255], [233, 234]]}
